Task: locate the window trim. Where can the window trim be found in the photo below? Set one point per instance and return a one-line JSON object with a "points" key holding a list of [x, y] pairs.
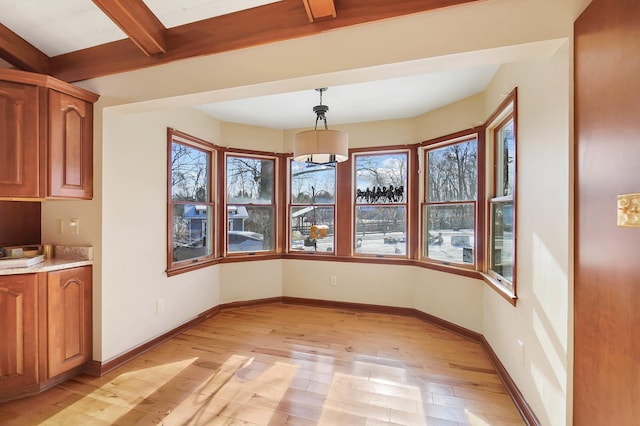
{"points": [[410, 241], [173, 267], [506, 111], [274, 205], [442, 142], [291, 205]]}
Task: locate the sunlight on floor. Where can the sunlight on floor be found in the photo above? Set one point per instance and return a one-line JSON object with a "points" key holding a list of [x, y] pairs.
{"points": [[236, 390], [112, 401], [241, 389], [475, 420], [383, 400], [280, 364]]}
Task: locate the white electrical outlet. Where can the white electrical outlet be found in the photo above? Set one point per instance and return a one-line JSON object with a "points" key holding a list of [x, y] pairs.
{"points": [[332, 280], [521, 351], [160, 306]]}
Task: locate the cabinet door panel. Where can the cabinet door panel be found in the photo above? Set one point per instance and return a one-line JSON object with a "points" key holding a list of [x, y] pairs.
{"points": [[69, 319], [70, 146], [20, 154], [18, 332]]}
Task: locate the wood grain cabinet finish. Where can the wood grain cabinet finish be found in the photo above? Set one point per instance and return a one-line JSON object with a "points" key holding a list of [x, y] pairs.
{"points": [[45, 329], [46, 137], [20, 148], [18, 335], [70, 147], [68, 319]]}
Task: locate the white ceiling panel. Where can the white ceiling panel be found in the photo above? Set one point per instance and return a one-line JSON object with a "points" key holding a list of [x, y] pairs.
{"points": [[174, 13], [369, 101], [57, 27]]}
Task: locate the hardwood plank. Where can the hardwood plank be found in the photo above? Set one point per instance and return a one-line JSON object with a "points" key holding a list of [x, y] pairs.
{"points": [[280, 364]]}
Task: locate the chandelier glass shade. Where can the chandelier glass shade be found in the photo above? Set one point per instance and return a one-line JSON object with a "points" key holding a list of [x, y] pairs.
{"points": [[321, 146]]}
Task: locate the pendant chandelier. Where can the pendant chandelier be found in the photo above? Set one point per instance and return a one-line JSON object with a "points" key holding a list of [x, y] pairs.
{"points": [[321, 146]]}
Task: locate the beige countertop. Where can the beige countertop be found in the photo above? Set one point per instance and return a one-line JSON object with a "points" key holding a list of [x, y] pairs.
{"points": [[48, 265]]}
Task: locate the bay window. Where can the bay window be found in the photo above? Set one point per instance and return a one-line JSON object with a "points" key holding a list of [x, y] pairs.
{"points": [[455, 213]]}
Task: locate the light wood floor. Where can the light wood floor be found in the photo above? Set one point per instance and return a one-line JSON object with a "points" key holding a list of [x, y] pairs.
{"points": [[282, 364]]}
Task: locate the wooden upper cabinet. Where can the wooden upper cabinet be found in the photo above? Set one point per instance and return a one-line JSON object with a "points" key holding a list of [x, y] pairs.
{"points": [[70, 147], [20, 149], [46, 137]]}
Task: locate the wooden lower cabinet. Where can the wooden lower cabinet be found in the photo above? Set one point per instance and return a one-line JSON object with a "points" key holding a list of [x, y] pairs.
{"points": [[45, 329], [68, 319], [18, 335]]}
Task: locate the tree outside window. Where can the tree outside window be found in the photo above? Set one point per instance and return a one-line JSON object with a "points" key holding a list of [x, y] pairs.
{"points": [[190, 204], [501, 205], [250, 183], [312, 211], [381, 203], [449, 211]]}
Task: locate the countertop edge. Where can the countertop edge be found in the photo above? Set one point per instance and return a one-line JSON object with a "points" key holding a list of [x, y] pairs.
{"points": [[49, 265]]}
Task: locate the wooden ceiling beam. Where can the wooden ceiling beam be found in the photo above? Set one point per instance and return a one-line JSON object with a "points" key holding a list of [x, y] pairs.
{"points": [[318, 9], [138, 23], [20, 53], [279, 21]]}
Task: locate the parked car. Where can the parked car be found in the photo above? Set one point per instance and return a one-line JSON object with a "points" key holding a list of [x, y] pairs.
{"points": [[244, 241]]}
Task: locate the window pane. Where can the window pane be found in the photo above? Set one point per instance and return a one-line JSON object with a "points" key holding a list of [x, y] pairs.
{"points": [[453, 172], [189, 173], [505, 160], [502, 239], [381, 178], [191, 235], [450, 232], [250, 180], [381, 230], [312, 228], [312, 184], [250, 228]]}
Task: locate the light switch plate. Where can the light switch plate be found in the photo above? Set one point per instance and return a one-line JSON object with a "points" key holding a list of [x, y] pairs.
{"points": [[629, 210], [74, 226]]}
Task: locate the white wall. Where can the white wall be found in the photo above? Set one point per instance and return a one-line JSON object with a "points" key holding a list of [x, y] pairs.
{"points": [[251, 280], [133, 258], [389, 285], [540, 319]]}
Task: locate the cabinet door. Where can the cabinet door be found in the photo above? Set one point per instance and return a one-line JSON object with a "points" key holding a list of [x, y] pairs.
{"points": [[18, 334], [70, 147], [68, 319], [20, 153]]}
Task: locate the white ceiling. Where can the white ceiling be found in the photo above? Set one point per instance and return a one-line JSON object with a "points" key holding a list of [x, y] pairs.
{"points": [[370, 101], [62, 26], [39, 22]]}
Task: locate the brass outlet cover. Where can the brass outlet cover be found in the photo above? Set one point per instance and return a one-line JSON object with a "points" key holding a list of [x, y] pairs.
{"points": [[629, 210]]}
